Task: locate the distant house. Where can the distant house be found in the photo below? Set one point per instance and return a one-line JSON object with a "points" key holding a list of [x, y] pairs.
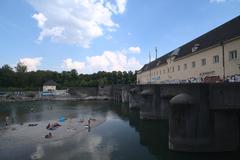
{"points": [[49, 86]]}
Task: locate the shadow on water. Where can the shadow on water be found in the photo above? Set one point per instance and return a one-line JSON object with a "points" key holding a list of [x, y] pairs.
{"points": [[154, 135]]}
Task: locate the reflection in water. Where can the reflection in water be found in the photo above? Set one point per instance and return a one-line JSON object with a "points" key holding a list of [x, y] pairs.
{"points": [[154, 135], [122, 136], [38, 154]]}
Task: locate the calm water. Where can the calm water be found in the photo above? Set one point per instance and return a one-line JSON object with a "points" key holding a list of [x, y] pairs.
{"points": [[121, 136]]}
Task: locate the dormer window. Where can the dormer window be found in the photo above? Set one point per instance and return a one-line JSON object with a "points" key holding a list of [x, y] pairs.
{"points": [[195, 47]]}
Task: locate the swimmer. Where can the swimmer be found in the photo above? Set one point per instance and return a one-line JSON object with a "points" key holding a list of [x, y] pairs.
{"points": [[49, 135]]}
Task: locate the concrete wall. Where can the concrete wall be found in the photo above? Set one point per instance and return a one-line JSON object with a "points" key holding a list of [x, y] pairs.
{"points": [[83, 92], [205, 118], [105, 90], [120, 93], [224, 96]]}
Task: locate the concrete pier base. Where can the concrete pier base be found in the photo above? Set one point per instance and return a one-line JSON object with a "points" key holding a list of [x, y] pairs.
{"points": [[134, 98], [150, 109], [193, 127]]}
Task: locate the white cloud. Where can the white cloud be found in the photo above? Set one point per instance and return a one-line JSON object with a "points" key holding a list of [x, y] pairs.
{"points": [[134, 49], [31, 63], [55, 33], [118, 8], [76, 22], [70, 64], [107, 61], [222, 1], [121, 5], [40, 18], [217, 1]]}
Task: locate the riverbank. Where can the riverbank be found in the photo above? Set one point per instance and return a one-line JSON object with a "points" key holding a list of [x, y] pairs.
{"points": [[73, 94], [51, 98]]}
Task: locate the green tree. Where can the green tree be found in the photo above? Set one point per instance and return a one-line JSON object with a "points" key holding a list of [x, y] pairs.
{"points": [[21, 67]]}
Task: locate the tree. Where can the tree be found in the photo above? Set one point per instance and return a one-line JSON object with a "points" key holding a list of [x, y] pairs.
{"points": [[6, 68], [21, 68], [74, 74], [21, 79], [6, 76]]}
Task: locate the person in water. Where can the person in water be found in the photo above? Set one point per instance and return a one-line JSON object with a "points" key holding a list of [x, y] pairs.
{"points": [[7, 121], [49, 135], [89, 125]]}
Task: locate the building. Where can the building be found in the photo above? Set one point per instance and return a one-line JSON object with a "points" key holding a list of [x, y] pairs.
{"points": [[49, 86], [214, 56]]}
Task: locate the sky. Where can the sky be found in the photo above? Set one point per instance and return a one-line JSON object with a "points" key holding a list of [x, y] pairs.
{"points": [[102, 35]]}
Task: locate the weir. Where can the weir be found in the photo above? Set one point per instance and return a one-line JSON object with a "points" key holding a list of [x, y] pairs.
{"points": [[202, 117]]}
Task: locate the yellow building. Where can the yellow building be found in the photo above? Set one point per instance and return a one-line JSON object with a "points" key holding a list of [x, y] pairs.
{"points": [[212, 57]]}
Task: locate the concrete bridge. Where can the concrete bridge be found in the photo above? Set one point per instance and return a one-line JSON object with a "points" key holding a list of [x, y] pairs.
{"points": [[202, 117]]}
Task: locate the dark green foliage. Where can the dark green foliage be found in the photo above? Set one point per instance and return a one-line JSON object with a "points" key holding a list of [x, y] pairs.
{"points": [[21, 68], [22, 80]]}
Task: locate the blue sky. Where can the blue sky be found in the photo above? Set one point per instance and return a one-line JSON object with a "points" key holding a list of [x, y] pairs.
{"points": [[93, 35]]}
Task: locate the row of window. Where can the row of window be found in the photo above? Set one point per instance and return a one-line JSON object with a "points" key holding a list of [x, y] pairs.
{"points": [[232, 56]]}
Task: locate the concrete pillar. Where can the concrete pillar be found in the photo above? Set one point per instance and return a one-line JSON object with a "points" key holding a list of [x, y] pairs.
{"points": [[164, 107], [149, 108], [182, 122], [193, 127], [134, 98]]}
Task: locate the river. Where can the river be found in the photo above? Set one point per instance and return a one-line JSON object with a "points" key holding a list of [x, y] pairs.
{"points": [[116, 133]]}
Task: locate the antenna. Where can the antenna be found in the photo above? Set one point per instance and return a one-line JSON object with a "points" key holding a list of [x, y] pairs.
{"points": [[149, 57], [156, 51]]}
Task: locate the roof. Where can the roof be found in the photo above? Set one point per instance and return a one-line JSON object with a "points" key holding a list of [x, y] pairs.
{"points": [[50, 83], [223, 33]]}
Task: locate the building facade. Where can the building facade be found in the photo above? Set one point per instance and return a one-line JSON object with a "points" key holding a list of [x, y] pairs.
{"points": [[49, 86], [212, 57]]}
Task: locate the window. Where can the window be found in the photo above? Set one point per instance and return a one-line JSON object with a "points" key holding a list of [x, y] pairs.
{"points": [[216, 59], [193, 64], [172, 69], [168, 70], [164, 71], [178, 67], [160, 72], [233, 55], [185, 66], [204, 62]]}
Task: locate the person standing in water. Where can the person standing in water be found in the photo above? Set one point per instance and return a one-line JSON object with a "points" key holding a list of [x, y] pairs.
{"points": [[89, 125], [7, 121]]}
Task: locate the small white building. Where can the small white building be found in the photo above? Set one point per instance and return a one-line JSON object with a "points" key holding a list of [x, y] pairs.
{"points": [[49, 86]]}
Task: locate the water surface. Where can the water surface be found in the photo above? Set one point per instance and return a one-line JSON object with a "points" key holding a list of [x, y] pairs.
{"points": [[120, 135]]}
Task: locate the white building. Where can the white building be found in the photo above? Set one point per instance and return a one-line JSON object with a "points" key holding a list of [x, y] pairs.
{"points": [[49, 86]]}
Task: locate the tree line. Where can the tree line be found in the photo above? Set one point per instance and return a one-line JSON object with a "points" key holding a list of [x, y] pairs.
{"points": [[20, 79]]}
